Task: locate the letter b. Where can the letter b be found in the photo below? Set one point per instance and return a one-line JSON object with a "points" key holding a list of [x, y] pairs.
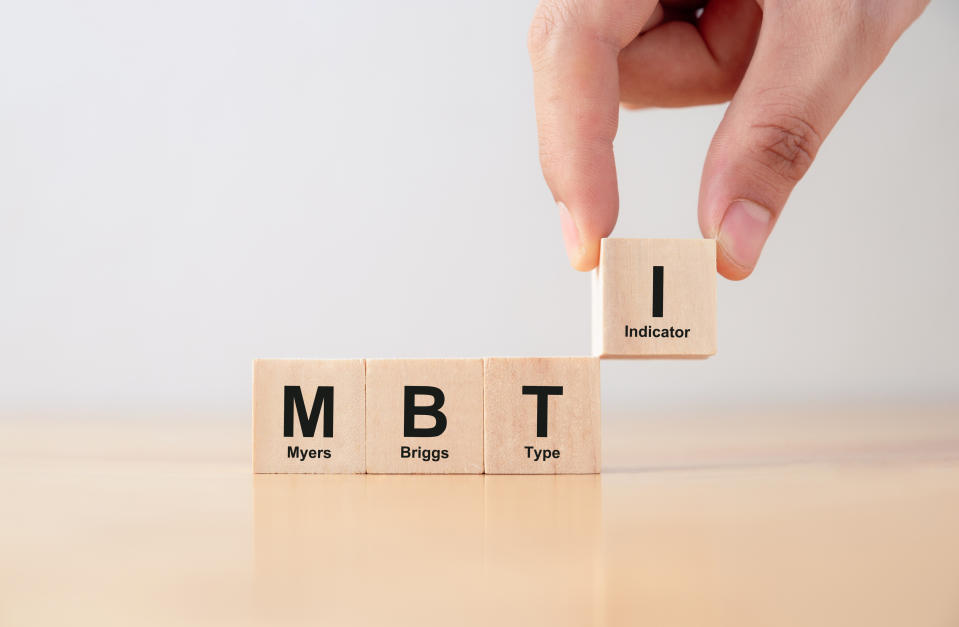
{"points": [[411, 410]]}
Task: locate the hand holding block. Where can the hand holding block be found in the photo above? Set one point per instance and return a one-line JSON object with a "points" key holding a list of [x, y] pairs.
{"points": [[424, 416], [655, 298], [309, 416], [542, 415]]}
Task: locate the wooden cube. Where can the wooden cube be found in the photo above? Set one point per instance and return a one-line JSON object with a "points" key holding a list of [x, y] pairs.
{"points": [[309, 416], [542, 415], [424, 416], [655, 298]]}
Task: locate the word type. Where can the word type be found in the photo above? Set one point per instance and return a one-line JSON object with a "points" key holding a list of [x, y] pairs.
{"points": [[541, 455]]}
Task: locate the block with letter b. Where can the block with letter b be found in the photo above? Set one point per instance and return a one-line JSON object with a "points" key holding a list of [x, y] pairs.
{"points": [[424, 416], [309, 416], [655, 298], [542, 415]]}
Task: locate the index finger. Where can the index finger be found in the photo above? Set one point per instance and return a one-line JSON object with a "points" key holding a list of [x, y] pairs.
{"points": [[573, 47]]}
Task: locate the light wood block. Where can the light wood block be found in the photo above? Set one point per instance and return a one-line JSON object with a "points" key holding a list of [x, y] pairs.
{"points": [[542, 415], [424, 416], [309, 416], [655, 298]]}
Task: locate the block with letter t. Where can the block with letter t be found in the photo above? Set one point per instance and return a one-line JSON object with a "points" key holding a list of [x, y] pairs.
{"points": [[655, 298], [309, 416], [542, 415]]}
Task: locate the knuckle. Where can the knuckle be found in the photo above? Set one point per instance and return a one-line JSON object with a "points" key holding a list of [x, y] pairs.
{"points": [[786, 144]]}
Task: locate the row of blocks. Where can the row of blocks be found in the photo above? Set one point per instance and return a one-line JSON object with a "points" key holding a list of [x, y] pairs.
{"points": [[498, 415], [651, 299]]}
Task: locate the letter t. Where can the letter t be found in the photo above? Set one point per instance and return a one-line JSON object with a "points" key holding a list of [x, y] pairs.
{"points": [[542, 392]]}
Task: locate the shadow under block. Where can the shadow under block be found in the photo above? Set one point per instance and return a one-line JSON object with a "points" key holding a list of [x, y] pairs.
{"points": [[424, 416], [542, 415], [655, 298], [309, 416]]}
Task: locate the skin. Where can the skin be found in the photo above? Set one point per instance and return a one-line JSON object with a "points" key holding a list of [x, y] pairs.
{"points": [[789, 68]]}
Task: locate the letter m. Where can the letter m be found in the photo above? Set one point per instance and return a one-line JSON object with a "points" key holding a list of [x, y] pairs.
{"points": [[293, 401]]}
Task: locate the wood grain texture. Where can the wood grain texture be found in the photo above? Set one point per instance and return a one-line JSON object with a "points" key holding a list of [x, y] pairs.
{"points": [[461, 383], [749, 516], [275, 452], [512, 416], [624, 303]]}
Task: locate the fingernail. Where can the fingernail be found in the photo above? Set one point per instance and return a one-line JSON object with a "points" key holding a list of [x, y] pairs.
{"points": [[743, 232], [574, 246]]}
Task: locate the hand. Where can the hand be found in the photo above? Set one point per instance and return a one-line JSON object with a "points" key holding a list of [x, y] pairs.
{"points": [[790, 67]]}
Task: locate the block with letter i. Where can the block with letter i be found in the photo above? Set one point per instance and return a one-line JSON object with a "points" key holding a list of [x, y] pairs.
{"points": [[309, 416], [542, 415], [655, 298], [424, 416]]}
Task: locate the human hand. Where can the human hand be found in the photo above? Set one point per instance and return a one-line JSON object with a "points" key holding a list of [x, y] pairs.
{"points": [[789, 67]]}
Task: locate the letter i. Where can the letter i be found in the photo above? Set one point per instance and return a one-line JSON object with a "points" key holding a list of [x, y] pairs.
{"points": [[657, 291]]}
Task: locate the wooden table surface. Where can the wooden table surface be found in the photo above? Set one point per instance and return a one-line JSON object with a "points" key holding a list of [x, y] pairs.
{"points": [[767, 516]]}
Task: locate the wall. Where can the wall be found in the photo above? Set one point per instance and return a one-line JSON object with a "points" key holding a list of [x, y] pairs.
{"points": [[185, 186]]}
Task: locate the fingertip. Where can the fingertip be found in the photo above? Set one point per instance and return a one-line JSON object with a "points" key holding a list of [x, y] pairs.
{"points": [[729, 268], [742, 234], [586, 259], [583, 252]]}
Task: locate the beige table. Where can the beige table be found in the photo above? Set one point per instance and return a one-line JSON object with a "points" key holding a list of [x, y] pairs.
{"points": [[799, 516]]}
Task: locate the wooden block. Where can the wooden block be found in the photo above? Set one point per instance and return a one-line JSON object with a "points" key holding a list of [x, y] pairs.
{"points": [[424, 416], [542, 415], [655, 298], [309, 416]]}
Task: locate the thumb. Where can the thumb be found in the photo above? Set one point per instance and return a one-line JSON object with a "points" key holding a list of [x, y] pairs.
{"points": [[810, 61]]}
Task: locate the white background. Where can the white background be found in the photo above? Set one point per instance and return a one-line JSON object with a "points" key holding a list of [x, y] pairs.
{"points": [[185, 186]]}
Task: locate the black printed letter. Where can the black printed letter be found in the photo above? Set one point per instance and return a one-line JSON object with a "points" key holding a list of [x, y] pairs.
{"points": [[657, 291], [293, 396], [411, 410], [542, 392]]}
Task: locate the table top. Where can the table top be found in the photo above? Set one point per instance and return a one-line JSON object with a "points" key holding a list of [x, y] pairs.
{"points": [[813, 515]]}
